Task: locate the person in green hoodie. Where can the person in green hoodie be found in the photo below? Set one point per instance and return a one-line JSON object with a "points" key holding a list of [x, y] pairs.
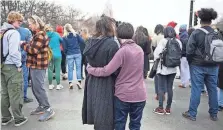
{"points": [[54, 43]]}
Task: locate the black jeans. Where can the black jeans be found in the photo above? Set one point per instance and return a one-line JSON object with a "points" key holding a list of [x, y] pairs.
{"points": [[63, 63], [165, 82], [135, 111]]}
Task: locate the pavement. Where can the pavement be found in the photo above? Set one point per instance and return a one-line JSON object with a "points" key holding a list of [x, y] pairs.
{"points": [[68, 103]]}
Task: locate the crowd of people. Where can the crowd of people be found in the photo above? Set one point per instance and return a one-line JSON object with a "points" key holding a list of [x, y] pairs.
{"points": [[115, 62]]}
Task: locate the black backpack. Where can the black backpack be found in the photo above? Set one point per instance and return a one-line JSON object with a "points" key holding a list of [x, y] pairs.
{"points": [[3, 58], [171, 55]]}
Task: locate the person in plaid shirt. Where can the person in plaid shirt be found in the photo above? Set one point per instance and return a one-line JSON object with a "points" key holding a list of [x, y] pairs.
{"points": [[37, 61]]}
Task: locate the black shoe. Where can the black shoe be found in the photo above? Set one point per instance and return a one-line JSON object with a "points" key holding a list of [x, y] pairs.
{"points": [[21, 122], [28, 100], [188, 116], [220, 108], [214, 118], [6, 122]]}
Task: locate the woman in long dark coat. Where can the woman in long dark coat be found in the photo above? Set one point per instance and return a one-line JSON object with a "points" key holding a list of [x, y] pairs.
{"points": [[141, 38], [98, 105]]}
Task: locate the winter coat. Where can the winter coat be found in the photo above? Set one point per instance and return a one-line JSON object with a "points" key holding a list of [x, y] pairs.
{"points": [[98, 104]]}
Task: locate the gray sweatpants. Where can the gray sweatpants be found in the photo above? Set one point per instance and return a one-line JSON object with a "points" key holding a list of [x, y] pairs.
{"points": [[37, 78]]}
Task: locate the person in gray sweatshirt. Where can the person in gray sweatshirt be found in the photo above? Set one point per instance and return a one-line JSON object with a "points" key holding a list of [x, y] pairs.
{"points": [[11, 71]]}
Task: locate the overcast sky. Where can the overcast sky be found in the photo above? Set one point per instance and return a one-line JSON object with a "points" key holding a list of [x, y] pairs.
{"points": [[144, 12]]}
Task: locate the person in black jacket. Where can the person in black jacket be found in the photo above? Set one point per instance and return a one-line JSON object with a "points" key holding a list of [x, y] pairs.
{"points": [[144, 42], [201, 71]]}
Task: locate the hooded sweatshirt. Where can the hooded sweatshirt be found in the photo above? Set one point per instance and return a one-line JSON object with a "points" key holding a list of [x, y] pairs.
{"points": [[11, 46], [54, 43]]}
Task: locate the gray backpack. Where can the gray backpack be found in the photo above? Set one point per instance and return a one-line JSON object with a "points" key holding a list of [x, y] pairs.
{"points": [[213, 47]]}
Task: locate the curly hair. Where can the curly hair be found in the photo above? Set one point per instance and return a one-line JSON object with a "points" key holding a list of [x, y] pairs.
{"points": [[14, 16], [207, 15]]}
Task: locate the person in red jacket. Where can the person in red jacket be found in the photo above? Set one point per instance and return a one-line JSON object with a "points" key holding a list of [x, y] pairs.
{"points": [[59, 30]]}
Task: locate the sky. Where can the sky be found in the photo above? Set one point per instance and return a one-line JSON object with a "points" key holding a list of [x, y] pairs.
{"points": [[147, 13]]}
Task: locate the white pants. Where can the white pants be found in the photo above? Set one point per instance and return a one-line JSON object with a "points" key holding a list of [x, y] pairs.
{"points": [[184, 72]]}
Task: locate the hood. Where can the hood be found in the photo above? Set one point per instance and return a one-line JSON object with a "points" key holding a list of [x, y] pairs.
{"points": [[93, 45], [6, 26], [183, 28], [172, 24], [184, 35], [50, 34], [59, 29]]}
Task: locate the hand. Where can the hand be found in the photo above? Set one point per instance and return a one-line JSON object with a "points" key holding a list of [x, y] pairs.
{"points": [[19, 69]]}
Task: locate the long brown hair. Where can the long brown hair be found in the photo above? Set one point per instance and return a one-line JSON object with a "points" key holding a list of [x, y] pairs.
{"points": [[105, 27]]}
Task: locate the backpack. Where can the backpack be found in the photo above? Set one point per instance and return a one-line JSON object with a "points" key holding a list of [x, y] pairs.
{"points": [[3, 58], [171, 55], [213, 47]]}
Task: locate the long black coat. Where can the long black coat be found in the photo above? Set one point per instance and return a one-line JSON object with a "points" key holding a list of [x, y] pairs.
{"points": [[98, 104], [220, 77]]}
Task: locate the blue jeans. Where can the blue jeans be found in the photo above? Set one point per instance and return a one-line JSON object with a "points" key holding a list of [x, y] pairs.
{"points": [[200, 76], [135, 111], [220, 98], [25, 78], [70, 61]]}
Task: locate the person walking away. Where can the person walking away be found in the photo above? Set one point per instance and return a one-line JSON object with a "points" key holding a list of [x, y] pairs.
{"points": [[84, 35], [142, 40], [37, 61], [72, 42], [169, 51], [130, 91], [184, 66], [202, 68], [156, 39], [98, 109], [25, 36], [59, 30], [11, 71], [147, 58], [54, 44]]}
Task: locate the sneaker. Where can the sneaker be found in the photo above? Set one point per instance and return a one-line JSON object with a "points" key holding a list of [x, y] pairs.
{"points": [[59, 87], [28, 100], [220, 108], [47, 115], [159, 111], [214, 118], [6, 122], [70, 86], [79, 85], [51, 87], [64, 76], [181, 86], [38, 111], [167, 111], [21, 122], [188, 116]]}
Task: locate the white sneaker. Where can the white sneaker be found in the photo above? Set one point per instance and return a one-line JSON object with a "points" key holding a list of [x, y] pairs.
{"points": [[70, 86], [59, 87], [51, 87], [79, 85]]}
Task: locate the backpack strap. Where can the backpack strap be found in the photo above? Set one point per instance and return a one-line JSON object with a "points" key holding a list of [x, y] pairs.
{"points": [[203, 30], [2, 42]]}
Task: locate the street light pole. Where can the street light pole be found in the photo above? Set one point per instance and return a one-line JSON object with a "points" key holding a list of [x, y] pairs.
{"points": [[191, 12]]}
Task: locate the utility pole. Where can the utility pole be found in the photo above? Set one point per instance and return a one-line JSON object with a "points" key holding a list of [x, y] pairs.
{"points": [[191, 12]]}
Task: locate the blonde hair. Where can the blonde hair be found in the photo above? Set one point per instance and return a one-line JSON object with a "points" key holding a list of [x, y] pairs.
{"points": [[37, 21], [48, 27], [69, 29], [14, 16]]}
